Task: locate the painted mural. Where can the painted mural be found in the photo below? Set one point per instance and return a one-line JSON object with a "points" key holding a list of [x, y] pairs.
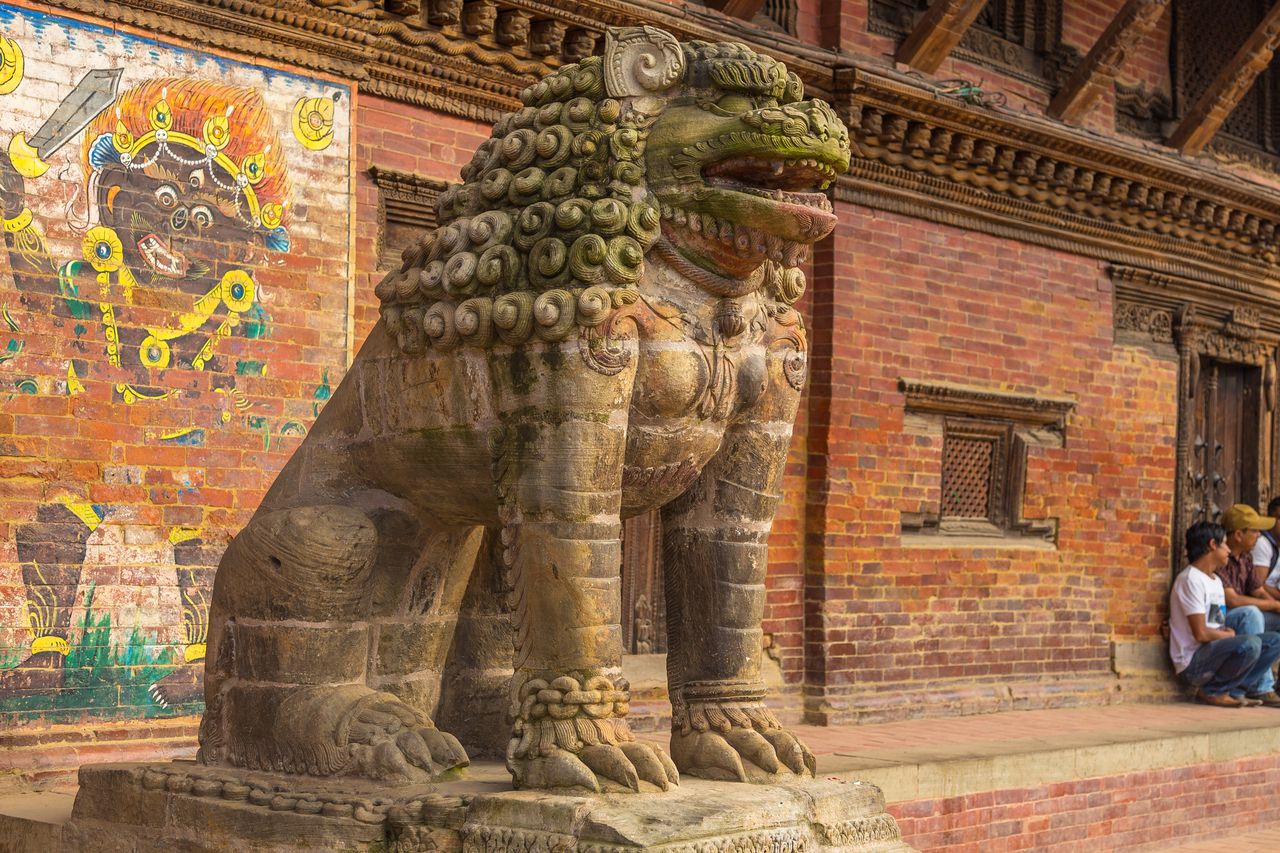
{"points": [[177, 228]]}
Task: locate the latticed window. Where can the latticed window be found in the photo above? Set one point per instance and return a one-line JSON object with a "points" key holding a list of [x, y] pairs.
{"points": [[1205, 38], [975, 465], [782, 13]]}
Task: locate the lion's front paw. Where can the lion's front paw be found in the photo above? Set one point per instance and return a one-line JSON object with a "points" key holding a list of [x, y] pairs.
{"points": [[735, 741], [601, 768], [741, 755], [389, 740], [572, 732]]}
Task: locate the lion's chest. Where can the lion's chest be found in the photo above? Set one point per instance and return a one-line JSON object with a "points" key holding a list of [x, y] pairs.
{"points": [[685, 396]]}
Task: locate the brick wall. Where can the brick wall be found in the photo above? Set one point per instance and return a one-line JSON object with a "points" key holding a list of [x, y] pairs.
{"points": [[898, 628], [1154, 809]]}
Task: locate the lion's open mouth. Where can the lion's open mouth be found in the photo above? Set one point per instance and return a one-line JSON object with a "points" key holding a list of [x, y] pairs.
{"points": [[792, 181]]}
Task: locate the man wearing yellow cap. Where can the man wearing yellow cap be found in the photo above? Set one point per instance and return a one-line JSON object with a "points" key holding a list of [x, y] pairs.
{"points": [[1249, 609]]}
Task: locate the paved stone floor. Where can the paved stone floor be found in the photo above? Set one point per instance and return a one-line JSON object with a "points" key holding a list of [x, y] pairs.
{"points": [[929, 759]]}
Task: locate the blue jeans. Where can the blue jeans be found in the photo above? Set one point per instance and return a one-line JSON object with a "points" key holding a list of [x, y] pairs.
{"points": [[1249, 620], [1239, 664]]}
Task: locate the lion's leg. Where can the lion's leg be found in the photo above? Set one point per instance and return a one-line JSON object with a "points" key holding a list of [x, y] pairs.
{"points": [[715, 556], [290, 630], [415, 611], [559, 472]]}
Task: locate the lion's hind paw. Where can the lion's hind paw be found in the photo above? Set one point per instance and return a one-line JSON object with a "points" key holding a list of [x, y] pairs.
{"points": [[390, 741]]}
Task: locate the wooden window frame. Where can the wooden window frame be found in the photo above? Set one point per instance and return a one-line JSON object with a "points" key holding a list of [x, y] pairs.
{"points": [[1014, 423]]}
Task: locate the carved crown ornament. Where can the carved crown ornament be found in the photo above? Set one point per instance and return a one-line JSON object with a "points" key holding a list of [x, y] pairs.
{"points": [[468, 58], [922, 154]]}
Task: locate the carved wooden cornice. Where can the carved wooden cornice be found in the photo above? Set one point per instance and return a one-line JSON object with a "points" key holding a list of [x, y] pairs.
{"points": [[1015, 176], [470, 61], [949, 398], [1237, 324]]}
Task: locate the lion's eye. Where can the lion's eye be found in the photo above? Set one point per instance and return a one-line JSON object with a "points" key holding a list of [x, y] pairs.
{"points": [[166, 195], [735, 103]]}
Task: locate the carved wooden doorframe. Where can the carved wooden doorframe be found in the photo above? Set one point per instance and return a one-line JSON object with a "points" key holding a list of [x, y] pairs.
{"points": [[1239, 340]]}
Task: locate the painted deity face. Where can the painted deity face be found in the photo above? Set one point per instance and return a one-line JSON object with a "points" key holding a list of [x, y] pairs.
{"points": [[181, 226]]}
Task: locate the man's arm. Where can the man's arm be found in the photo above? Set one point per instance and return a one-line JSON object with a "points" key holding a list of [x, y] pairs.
{"points": [[1236, 599], [1203, 633]]}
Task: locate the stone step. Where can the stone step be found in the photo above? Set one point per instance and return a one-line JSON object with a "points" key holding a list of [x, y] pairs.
{"points": [[1119, 777]]}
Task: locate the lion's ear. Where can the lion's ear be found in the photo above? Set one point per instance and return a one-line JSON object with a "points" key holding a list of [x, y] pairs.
{"points": [[640, 61]]}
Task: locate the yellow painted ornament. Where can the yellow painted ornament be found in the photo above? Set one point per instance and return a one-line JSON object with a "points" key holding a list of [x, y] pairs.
{"points": [[160, 116], [254, 167], [272, 214], [122, 139], [154, 353], [102, 249], [25, 159], [237, 290], [217, 131], [313, 122], [11, 65]]}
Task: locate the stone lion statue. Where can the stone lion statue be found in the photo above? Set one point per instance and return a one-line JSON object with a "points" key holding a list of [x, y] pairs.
{"points": [[601, 325]]}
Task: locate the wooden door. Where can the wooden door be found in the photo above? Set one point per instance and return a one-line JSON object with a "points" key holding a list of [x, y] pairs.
{"points": [[644, 623], [1225, 449]]}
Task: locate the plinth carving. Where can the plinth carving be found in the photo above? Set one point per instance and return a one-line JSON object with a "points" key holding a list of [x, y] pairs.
{"points": [[601, 324]]}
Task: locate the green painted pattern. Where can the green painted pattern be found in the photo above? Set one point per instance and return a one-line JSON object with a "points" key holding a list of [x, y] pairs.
{"points": [[101, 679]]}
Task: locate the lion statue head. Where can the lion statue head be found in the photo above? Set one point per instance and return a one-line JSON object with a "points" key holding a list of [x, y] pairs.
{"points": [[705, 153]]}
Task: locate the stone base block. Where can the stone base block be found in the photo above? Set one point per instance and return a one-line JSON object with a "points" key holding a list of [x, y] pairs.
{"points": [[181, 807]]}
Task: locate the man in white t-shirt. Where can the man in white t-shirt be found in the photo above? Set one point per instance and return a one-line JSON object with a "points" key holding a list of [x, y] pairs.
{"points": [[1266, 552], [1208, 655]]}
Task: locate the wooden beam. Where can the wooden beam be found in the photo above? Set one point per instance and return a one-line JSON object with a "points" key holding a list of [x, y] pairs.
{"points": [[937, 33], [743, 9], [1093, 76], [1230, 85]]}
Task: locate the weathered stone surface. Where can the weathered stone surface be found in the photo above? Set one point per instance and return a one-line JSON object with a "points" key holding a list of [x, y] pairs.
{"points": [[601, 325], [186, 808]]}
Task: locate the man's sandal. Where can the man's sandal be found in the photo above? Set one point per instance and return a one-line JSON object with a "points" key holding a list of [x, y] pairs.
{"points": [[1219, 700]]}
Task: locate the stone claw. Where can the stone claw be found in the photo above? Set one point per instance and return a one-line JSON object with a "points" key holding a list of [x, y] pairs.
{"points": [[611, 764], [741, 755], [556, 768], [793, 753], [652, 765], [600, 768], [391, 741]]}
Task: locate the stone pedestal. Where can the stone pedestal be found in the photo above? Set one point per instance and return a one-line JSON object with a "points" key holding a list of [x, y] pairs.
{"points": [[181, 808]]}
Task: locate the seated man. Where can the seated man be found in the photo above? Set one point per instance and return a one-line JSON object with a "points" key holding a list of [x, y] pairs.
{"points": [[1242, 582], [1266, 552], [1227, 668]]}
